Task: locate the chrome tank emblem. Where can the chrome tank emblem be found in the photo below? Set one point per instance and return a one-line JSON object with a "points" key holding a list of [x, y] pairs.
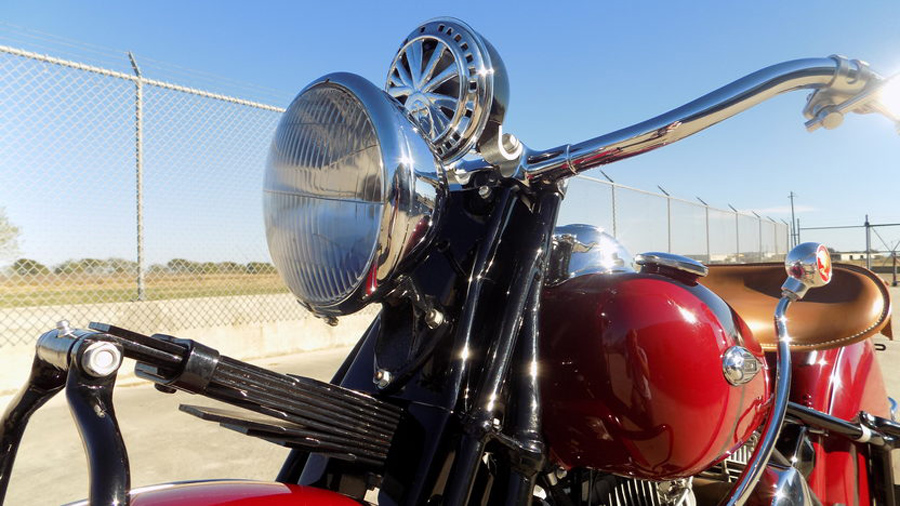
{"points": [[739, 365], [584, 249]]}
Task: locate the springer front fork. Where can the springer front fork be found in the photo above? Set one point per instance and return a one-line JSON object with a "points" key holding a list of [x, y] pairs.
{"points": [[298, 412], [86, 365]]}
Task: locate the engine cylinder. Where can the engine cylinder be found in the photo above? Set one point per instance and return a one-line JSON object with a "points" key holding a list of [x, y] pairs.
{"points": [[632, 377]]}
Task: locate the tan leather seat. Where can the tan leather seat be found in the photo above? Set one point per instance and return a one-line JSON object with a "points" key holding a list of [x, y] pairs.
{"points": [[854, 306]]}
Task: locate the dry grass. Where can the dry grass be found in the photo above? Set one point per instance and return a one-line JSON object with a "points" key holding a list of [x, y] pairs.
{"points": [[52, 289]]}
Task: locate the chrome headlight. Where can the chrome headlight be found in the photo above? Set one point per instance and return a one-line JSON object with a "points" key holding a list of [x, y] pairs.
{"points": [[351, 192]]}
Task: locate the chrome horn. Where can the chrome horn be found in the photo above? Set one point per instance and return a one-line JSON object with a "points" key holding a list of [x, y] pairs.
{"points": [[453, 83], [808, 265]]}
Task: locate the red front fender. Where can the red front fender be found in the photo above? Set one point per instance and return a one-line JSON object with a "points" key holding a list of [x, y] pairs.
{"points": [[237, 493]]}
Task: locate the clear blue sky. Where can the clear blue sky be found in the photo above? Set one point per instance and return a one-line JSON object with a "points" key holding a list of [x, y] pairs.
{"points": [[577, 69]]}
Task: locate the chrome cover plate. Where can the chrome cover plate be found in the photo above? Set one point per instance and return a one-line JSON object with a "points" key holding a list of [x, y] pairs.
{"points": [[739, 365]]}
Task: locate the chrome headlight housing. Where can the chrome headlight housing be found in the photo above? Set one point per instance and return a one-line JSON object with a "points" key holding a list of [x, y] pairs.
{"points": [[351, 193]]}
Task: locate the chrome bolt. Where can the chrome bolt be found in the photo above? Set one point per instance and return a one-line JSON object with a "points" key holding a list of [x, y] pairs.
{"points": [[830, 118], [382, 378], [63, 328], [434, 318], [510, 143], [551, 478], [484, 191], [101, 359]]}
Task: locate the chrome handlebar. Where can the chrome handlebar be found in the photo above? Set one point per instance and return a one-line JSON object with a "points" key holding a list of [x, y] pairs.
{"points": [[835, 79]]}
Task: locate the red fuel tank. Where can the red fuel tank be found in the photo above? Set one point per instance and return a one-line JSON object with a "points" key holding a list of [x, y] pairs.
{"points": [[632, 377]]}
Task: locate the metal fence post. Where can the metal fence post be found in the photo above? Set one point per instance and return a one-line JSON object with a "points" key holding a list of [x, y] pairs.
{"points": [[668, 218], [139, 171], [615, 231], [708, 252], [708, 249], [760, 239], [668, 224], [868, 244], [758, 236], [774, 235], [737, 234], [788, 236]]}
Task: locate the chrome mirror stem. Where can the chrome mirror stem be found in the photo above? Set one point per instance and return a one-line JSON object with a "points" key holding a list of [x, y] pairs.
{"points": [[844, 77], [757, 464], [808, 265]]}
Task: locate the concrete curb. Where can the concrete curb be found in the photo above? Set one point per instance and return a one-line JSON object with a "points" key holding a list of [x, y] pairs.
{"points": [[243, 341]]}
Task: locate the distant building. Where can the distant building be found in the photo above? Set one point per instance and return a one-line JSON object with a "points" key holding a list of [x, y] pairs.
{"points": [[857, 255]]}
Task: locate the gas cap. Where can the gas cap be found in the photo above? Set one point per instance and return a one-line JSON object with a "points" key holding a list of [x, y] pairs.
{"points": [[671, 265]]}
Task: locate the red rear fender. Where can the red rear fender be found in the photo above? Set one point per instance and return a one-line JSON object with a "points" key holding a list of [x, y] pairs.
{"points": [[237, 493]]}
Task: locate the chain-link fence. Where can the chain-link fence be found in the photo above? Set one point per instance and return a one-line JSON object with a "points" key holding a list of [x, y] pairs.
{"points": [[646, 221], [873, 245], [129, 199], [137, 201]]}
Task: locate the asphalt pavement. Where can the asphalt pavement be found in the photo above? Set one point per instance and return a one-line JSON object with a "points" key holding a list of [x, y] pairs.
{"points": [[166, 445]]}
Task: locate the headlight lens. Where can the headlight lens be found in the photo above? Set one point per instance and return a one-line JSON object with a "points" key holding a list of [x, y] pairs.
{"points": [[350, 192]]}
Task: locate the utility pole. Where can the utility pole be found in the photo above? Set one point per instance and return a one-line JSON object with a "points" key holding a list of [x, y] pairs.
{"points": [[794, 232]]}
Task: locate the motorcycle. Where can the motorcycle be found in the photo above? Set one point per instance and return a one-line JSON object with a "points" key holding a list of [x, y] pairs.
{"points": [[514, 361]]}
